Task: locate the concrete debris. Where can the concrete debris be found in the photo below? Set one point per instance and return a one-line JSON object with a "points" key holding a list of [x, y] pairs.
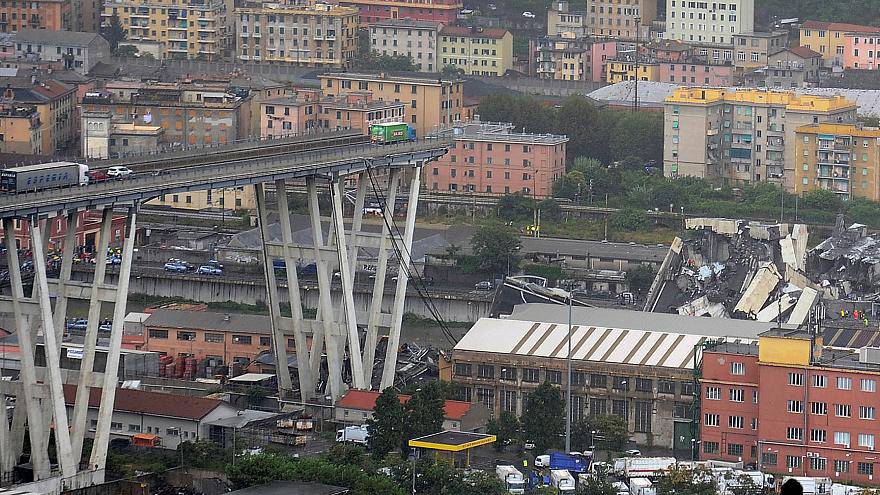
{"points": [[847, 263], [766, 279], [801, 310]]}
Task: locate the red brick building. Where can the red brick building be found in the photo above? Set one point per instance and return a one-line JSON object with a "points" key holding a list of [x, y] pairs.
{"points": [[490, 158], [88, 230], [792, 407]]}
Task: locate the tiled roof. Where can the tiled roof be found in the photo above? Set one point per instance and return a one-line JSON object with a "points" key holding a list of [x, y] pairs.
{"points": [[840, 26], [48, 37], [366, 400], [804, 52], [150, 403], [475, 33]]}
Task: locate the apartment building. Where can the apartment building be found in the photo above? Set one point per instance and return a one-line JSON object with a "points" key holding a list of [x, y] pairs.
{"points": [[76, 51], [359, 111], [190, 114], [430, 101], [571, 59], [51, 15], [709, 22], [190, 29], [86, 15], [625, 20], [829, 39], [695, 70], [625, 68], [861, 50], [753, 49], [418, 40], [844, 158], [55, 103], [741, 137], [372, 11], [490, 158], [21, 131], [317, 35], [564, 22], [791, 406], [103, 138], [287, 116], [237, 199], [476, 51]]}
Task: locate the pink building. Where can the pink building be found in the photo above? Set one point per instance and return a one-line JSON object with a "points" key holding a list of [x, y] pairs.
{"points": [[601, 51], [861, 50], [698, 73], [488, 158], [667, 50], [289, 115]]}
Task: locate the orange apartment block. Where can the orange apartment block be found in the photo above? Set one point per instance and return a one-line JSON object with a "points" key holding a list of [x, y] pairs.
{"points": [[54, 15], [359, 111]]}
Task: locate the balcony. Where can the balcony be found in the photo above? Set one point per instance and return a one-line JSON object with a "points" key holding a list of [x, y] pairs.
{"points": [[177, 28], [256, 35], [244, 57], [207, 40], [177, 50], [712, 132]]}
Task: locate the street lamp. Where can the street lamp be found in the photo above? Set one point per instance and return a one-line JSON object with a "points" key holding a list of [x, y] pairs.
{"points": [[638, 20]]}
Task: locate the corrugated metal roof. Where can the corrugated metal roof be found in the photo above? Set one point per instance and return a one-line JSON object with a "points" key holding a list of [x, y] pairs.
{"points": [[588, 343]]}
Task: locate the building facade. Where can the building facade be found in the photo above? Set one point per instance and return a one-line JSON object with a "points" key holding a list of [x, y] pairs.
{"points": [[55, 103], [51, 15], [793, 68], [564, 22], [625, 68], [356, 408], [843, 158], [372, 11], [476, 51], [490, 158], [102, 138], [571, 59], [861, 50], [696, 71], [618, 19], [752, 50], [419, 40], [21, 130], [741, 137], [431, 102], [170, 29], [319, 35], [829, 39], [359, 111], [76, 51], [712, 23], [792, 407], [288, 116]]}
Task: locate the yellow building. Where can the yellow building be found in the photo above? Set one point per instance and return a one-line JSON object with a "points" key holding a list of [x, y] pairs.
{"points": [[230, 198], [625, 70], [843, 158], [317, 35], [21, 130], [477, 51], [430, 101], [828, 38], [171, 28]]}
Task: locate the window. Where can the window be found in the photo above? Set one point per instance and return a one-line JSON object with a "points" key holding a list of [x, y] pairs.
{"points": [[158, 334], [867, 384], [115, 426], [794, 433], [578, 378], [487, 397], [680, 411], [796, 379], [508, 373], [737, 368], [844, 383], [735, 422], [737, 395], [795, 406], [713, 419], [265, 341], [598, 381], [181, 335], [713, 393], [530, 375], [508, 400], [792, 461], [485, 371], [865, 468], [462, 369], [620, 383], [241, 339], [820, 408], [644, 385], [687, 388], [710, 447], [818, 436], [735, 449], [820, 381], [214, 337], [867, 412], [866, 440], [841, 438], [768, 459], [841, 466], [666, 387], [818, 463], [842, 410], [554, 377], [134, 428], [619, 408]]}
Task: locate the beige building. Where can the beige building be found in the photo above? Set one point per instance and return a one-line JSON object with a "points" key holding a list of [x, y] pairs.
{"points": [[741, 137], [419, 40], [186, 29], [230, 198], [709, 22], [562, 21], [843, 158], [20, 130], [617, 19], [752, 50], [477, 51], [317, 35], [103, 138], [430, 101]]}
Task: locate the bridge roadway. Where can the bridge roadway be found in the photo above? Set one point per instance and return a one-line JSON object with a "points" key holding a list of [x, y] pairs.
{"points": [[221, 173]]}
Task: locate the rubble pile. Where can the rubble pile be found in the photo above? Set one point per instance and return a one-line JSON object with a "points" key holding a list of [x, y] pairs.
{"points": [[847, 264]]}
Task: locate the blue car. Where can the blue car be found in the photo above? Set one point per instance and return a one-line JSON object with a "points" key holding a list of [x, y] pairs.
{"points": [[79, 324], [175, 267]]}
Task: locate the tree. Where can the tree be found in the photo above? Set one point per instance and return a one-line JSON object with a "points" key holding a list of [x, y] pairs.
{"points": [[638, 134], [640, 279], [505, 429], [578, 119], [386, 425], [822, 199], [596, 485], [515, 207], [114, 32], [550, 209], [629, 220], [451, 72], [543, 419], [610, 432], [524, 112], [424, 413], [741, 484], [680, 481], [496, 249], [126, 51]]}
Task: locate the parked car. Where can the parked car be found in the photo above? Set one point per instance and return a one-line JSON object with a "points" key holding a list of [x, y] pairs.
{"points": [[79, 324], [114, 260], [633, 452], [118, 172], [528, 15], [175, 267], [529, 445], [215, 264], [209, 270], [484, 285], [542, 461], [180, 262]]}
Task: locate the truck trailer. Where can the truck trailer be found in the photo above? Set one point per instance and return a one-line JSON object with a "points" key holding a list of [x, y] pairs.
{"points": [[43, 176], [511, 477], [562, 480], [647, 467], [641, 486], [391, 132], [354, 434]]}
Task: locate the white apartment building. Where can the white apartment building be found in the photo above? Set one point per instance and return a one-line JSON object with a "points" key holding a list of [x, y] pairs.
{"points": [[416, 39], [709, 22]]}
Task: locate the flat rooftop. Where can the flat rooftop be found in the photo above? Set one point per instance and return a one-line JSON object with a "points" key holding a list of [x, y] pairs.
{"points": [[452, 441]]}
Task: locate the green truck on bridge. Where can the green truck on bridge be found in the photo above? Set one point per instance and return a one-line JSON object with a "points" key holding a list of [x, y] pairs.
{"points": [[391, 132]]}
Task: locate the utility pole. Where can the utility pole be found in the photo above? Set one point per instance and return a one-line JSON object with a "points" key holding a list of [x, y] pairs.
{"points": [[638, 20], [568, 384]]}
